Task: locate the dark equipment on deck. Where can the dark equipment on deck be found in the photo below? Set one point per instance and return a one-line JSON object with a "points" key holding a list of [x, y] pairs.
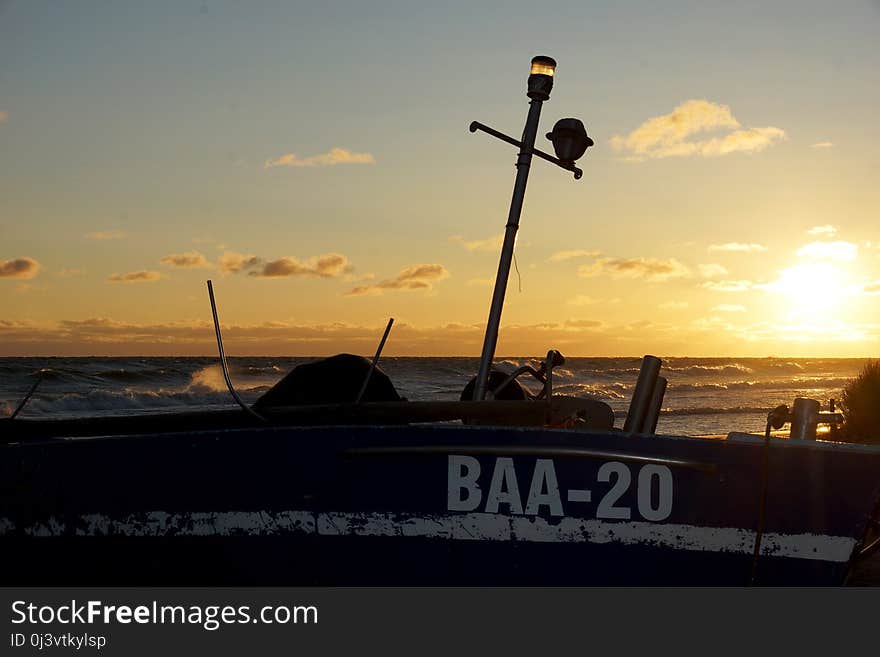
{"points": [[333, 380], [500, 384]]}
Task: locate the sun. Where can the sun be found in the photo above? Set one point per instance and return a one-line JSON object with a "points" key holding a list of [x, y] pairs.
{"points": [[813, 288]]}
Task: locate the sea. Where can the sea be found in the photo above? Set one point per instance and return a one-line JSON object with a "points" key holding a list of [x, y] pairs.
{"points": [[704, 396]]}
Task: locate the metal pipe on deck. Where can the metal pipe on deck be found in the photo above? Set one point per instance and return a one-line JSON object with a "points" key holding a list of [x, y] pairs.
{"points": [[652, 414], [642, 393]]}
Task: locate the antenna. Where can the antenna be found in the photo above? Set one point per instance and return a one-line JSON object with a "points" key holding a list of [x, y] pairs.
{"points": [[28, 395], [375, 361], [223, 364]]}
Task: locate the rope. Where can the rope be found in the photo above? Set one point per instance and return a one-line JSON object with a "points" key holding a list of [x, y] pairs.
{"points": [[762, 504]]}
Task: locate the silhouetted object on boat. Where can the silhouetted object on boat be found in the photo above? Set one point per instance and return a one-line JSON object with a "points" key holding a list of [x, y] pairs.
{"points": [[570, 139], [375, 362], [512, 390], [337, 379], [642, 407], [223, 364]]}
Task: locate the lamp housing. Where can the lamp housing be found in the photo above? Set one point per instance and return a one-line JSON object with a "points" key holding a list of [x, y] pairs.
{"points": [[570, 140], [541, 77]]}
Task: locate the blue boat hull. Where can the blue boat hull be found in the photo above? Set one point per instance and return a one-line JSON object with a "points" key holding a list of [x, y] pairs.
{"points": [[422, 505]]}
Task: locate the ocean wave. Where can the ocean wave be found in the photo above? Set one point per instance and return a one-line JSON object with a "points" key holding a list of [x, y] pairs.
{"points": [[786, 384], [788, 366], [709, 410], [732, 368], [614, 391], [137, 376], [103, 402]]}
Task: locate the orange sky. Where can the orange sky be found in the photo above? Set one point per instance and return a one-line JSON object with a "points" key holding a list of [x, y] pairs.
{"points": [[728, 207]]}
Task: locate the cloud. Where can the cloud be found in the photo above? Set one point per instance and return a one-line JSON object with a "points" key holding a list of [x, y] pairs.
{"points": [[329, 265], [331, 158], [649, 269], [729, 308], [822, 144], [738, 247], [839, 250], [415, 277], [135, 277], [728, 286], [232, 263], [582, 324], [674, 305], [107, 336], [712, 270], [189, 259], [667, 135], [560, 256], [827, 230], [19, 268], [106, 235], [489, 244]]}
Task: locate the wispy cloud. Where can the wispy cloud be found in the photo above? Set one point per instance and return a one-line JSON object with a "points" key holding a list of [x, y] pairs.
{"points": [[110, 336], [674, 305], [135, 277], [728, 286], [826, 230], [23, 267], [838, 250], [738, 247], [712, 270], [489, 244], [581, 324], [232, 263], [560, 256], [669, 135], [729, 308], [331, 158], [190, 259], [649, 269], [822, 144], [415, 277], [103, 235], [329, 265]]}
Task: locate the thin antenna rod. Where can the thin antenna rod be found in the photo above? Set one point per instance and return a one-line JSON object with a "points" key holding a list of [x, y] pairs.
{"points": [[28, 395], [375, 360], [223, 364]]}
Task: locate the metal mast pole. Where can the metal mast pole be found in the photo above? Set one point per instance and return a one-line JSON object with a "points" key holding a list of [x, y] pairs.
{"points": [[523, 163], [570, 141]]}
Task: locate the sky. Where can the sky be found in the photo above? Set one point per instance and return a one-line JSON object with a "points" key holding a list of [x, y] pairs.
{"points": [[314, 161]]}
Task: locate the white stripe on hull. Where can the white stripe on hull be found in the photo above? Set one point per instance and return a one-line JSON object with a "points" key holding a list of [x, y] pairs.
{"points": [[465, 526]]}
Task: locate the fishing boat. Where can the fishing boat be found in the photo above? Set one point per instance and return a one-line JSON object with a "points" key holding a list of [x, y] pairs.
{"points": [[332, 478]]}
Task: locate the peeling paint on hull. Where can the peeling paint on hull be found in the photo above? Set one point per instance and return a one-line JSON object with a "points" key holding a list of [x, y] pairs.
{"points": [[467, 527]]}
